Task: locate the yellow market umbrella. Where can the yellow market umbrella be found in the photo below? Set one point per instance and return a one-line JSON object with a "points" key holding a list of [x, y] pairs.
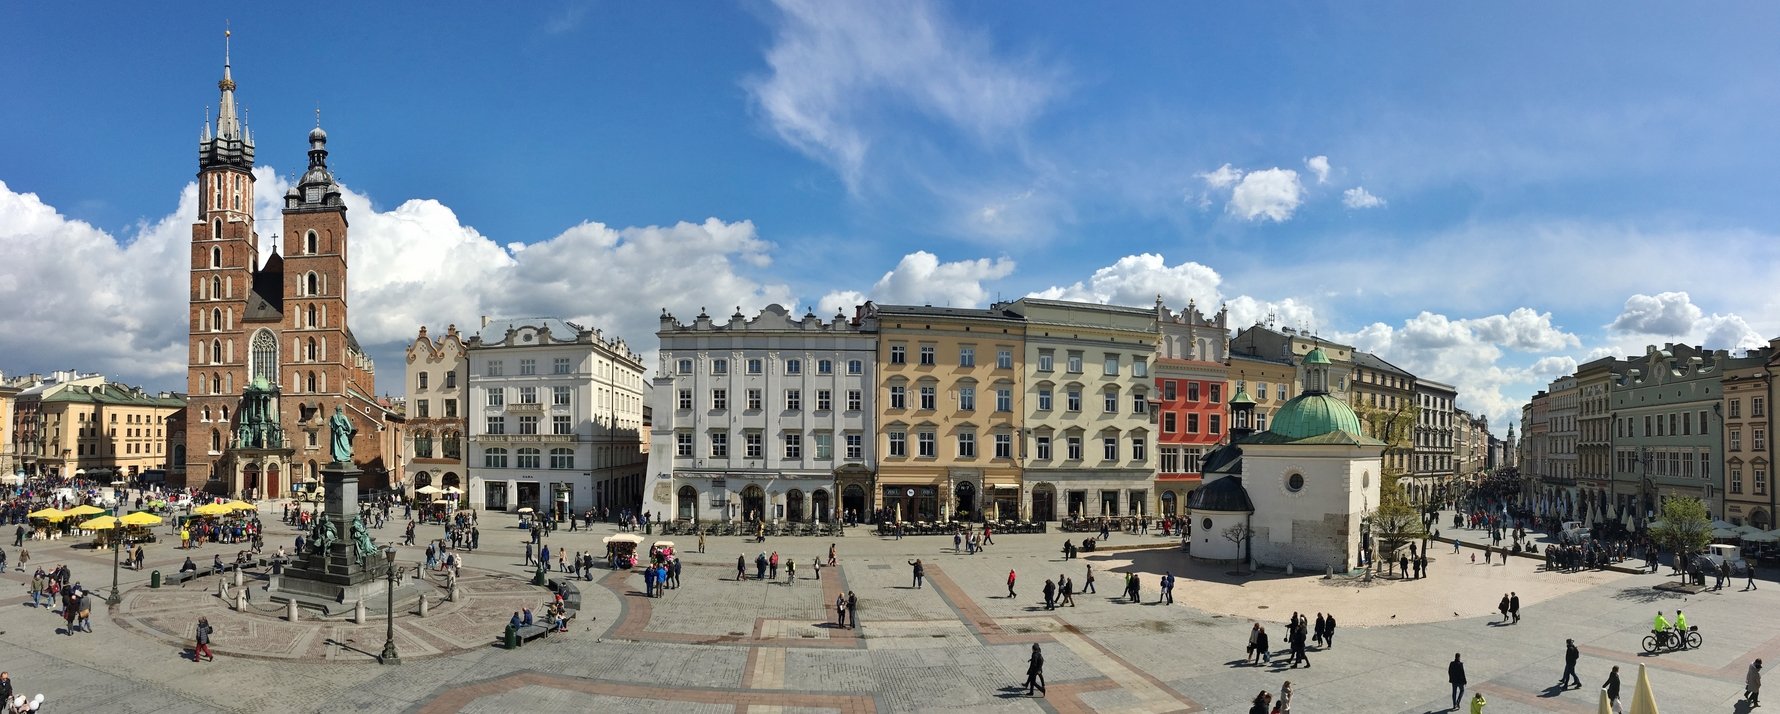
{"points": [[102, 523], [49, 514], [141, 518], [213, 509], [85, 510], [241, 506], [1643, 699]]}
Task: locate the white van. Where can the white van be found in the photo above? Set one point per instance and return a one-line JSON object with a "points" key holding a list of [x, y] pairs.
{"points": [[1730, 554]]}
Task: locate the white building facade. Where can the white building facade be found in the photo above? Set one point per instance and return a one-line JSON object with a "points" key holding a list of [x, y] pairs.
{"points": [[760, 418], [555, 415]]}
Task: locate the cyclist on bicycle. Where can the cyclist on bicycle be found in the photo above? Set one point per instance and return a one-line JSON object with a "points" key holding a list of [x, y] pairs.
{"points": [[1661, 629], [1680, 629]]}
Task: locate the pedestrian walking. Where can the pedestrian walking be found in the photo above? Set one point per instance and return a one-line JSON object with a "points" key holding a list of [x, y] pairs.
{"points": [[1296, 638], [1050, 592], [1010, 584], [1750, 585], [1752, 684], [741, 567], [1320, 624], [957, 541], [202, 637], [1284, 703], [1263, 646], [1167, 597], [701, 541], [1514, 606], [1503, 608], [831, 560], [1035, 671], [1261, 703], [1066, 592], [852, 610], [1088, 586], [1611, 686], [1253, 654], [920, 573], [772, 566], [840, 610], [1455, 675], [1571, 654]]}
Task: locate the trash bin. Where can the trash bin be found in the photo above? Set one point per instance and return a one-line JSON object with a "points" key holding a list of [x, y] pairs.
{"points": [[154, 579], [538, 577], [512, 638]]}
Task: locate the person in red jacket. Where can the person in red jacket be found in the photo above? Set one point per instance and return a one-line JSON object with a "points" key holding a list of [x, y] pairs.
{"points": [[1010, 584]]}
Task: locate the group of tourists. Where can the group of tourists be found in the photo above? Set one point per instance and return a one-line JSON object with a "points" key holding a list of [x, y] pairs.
{"points": [[17, 704], [1300, 634], [1266, 703]]}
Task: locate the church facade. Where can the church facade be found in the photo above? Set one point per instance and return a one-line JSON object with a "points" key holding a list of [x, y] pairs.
{"points": [[271, 355]]}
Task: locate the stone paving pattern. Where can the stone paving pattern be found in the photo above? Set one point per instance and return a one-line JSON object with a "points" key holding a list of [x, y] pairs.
{"points": [[956, 643]]}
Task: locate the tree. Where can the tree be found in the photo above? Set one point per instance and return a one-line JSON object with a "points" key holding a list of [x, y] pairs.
{"points": [[1395, 522], [1239, 535], [1685, 528]]}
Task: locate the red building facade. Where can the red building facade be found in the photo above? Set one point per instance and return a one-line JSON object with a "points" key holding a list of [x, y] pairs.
{"points": [[1189, 401]]}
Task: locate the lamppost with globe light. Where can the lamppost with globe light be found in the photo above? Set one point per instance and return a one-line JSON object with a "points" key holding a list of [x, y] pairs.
{"points": [[389, 636], [117, 549]]}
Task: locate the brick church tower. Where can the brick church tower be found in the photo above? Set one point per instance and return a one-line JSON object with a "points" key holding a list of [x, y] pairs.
{"points": [[271, 354]]}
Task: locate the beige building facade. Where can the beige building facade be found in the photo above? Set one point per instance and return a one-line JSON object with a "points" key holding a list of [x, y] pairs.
{"points": [[438, 373]]}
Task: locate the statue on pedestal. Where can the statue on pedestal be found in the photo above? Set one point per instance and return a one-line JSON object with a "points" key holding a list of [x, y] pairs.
{"points": [[361, 539], [341, 431], [324, 536]]}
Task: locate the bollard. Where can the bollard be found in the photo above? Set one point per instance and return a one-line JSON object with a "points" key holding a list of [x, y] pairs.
{"points": [[423, 606], [222, 589], [290, 611], [1289, 570], [358, 613], [455, 593], [241, 600], [1328, 571], [238, 581]]}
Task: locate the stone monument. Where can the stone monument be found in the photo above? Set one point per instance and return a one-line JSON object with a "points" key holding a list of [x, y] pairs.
{"points": [[340, 564]]}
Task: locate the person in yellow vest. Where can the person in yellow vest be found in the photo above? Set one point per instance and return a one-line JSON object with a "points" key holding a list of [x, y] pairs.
{"points": [[1680, 629], [1477, 703], [1661, 628], [185, 538]]}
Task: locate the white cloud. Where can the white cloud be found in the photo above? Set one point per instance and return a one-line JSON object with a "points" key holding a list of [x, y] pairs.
{"points": [[1224, 177], [1269, 194], [1290, 312], [840, 71], [1669, 314], [921, 279], [1138, 279], [1726, 332], [1359, 197], [80, 298], [1319, 167]]}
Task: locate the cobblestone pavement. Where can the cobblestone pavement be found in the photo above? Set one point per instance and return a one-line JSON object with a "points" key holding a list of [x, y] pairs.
{"points": [[956, 642]]}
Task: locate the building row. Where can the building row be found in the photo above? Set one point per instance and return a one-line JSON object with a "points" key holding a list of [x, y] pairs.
{"points": [[69, 424], [1619, 434]]}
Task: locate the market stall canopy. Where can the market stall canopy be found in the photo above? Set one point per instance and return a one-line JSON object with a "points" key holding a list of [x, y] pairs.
{"points": [[1725, 533], [1720, 523], [102, 523], [213, 509], [1762, 537], [49, 514], [84, 510], [623, 538], [241, 506], [141, 518], [663, 544], [527, 509], [453, 489], [16, 478], [428, 490], [443, 502]]}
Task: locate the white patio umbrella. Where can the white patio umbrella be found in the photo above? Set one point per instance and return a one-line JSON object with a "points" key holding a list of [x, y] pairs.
{"points": [[428, 490], [1643, 699]]}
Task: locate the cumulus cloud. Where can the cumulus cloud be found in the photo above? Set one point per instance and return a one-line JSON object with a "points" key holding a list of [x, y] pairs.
{"points": [[1668, 314], [1223, 177], [1290, 312], [1139, 279], [82, 298], [921, 279], [1359, 197], [838, 70], [1269, 194], [1319, 167]]}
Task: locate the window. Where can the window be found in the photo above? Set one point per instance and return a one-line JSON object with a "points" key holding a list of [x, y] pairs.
{"points": [[794, 446], [752, 444], [497, 425], [559, 396], [685, 401], [793, 400], [756, 366], [561, 425], [1110, 366], [927, 443], [528, 366], [1168, 390], [1043, 447], [1705, 464], [1170, 460], [755, 400], [928, 398], [423, 380], [1044, 400], [451, 380], [719, 399], [559, 365], [1046, 361], [719, 366], [1110, 401], [216, 253], [967, 356], [1140, 403], [824, 400], [1217, 424], [1672, 421], [898, 397], [310, 243], [685, 366], [1761, 481], [1075, 363], [562, 458], [1686, 423], [528, 395], [451, 408], [528, 459], [1139, 449], [1736, 439], [793, 366], [495, 368], [1647, 429], [824, 366], [899, 443], [494, 459], [1217, 394], [1075, 448], [1192, 391], [1004, 399], [967, 398], [1004, 446], [824, 446], [719, 445], [1169, 422], [855, 366], [1758, 406], [421, 408], [927, 352], [528, 424], [855, 400], [1281, 389], [1140, 367], [1702, 422], [1758, 438], [1736, 408], [967, 445], [1073, 400], [899, 354], [1004, 358], [497, 397], [855, 446], [1109, 448]]}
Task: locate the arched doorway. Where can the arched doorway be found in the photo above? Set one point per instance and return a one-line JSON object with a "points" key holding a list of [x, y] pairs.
{"points": [[688, 503], [1759, 518], [753, 503], [966, 508], [1168, 505], [1044, 502], [450, 480], [819, 505], [272, 480], [794, 506], [423, 480], [250, 478], [853, 500]]}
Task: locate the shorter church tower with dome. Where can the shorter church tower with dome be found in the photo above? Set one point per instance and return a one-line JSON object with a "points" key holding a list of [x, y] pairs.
{"points": [[1295, 494]]}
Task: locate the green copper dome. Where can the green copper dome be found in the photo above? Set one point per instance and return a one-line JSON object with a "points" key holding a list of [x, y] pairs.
{"points": [[1314, 414], [1241, 397], [1316, 356]]}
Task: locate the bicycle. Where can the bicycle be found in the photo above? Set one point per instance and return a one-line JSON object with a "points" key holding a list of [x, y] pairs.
{"points": [[1672, 640]]}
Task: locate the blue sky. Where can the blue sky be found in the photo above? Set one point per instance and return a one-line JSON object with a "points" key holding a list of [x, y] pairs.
{"points": [[1483, 194]]}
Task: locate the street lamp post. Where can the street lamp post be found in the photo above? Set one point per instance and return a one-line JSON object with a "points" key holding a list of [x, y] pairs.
{"points": [[117, 548], [389, 616]]}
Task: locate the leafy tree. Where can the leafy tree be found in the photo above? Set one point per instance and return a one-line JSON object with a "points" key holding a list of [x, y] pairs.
{"points": [[1395, 522], [1685, 528]]}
